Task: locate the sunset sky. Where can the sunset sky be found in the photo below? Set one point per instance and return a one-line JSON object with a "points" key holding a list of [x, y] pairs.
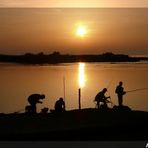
{"points": [[74, 30], [74, 3]]}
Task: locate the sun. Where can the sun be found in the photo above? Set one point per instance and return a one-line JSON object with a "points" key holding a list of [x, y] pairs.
{"points": [[81, 31]]}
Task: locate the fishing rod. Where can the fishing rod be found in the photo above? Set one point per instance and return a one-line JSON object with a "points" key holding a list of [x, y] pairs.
{"points": [[140, 89]]}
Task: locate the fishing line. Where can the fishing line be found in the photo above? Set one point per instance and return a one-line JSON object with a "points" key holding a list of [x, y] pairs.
{"points": [[140, 89]]}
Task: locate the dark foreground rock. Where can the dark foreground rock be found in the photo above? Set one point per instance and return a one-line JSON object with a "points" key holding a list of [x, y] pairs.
{"points": [[87, 124]]}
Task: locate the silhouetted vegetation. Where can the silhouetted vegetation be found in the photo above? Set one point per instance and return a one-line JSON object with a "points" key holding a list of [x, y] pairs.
{"points": [[56, 57]]}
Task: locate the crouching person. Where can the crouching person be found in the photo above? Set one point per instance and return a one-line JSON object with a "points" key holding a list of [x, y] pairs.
{"points": [[33, 100], [59, 105]]}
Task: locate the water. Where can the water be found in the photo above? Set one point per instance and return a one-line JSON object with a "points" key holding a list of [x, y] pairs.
{"points": [[19, 81]]}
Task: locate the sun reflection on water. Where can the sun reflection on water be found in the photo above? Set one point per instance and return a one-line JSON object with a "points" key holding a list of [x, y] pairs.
{"points": [[81, 77]]}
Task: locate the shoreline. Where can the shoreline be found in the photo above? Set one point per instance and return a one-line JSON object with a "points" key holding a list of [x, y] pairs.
{"points": [[87, 124], [56, 58]]}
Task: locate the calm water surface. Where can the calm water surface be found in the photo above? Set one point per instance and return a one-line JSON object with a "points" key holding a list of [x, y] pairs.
{"points": [[19, 81]]}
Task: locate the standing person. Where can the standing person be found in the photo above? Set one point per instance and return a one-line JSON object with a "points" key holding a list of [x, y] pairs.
{"points": [[120, 92], [100, 97], [33, 99], [60, 105]]}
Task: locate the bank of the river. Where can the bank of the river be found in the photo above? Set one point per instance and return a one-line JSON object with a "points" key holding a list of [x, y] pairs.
{"points": [[87, 124]]}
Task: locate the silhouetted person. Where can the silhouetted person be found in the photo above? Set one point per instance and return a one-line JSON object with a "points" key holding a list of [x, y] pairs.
{"points": [[60, 105], [120, 92], [101, 98], [33, 100]]}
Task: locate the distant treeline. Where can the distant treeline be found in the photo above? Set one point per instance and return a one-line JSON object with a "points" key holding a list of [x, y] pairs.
{"points": [[56, 57]]}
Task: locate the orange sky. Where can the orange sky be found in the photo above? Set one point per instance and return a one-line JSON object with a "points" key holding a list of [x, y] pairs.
{"points": [[73, 3], [47, 30]]}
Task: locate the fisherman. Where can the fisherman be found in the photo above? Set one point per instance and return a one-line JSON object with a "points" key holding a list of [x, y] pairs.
{"points": [[101, 98], [33, 99], [60, 105], [120, 92]]}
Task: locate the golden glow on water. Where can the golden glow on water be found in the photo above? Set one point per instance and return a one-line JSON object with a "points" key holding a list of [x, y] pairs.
{"points": [[48, 79], [81, 75]]}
